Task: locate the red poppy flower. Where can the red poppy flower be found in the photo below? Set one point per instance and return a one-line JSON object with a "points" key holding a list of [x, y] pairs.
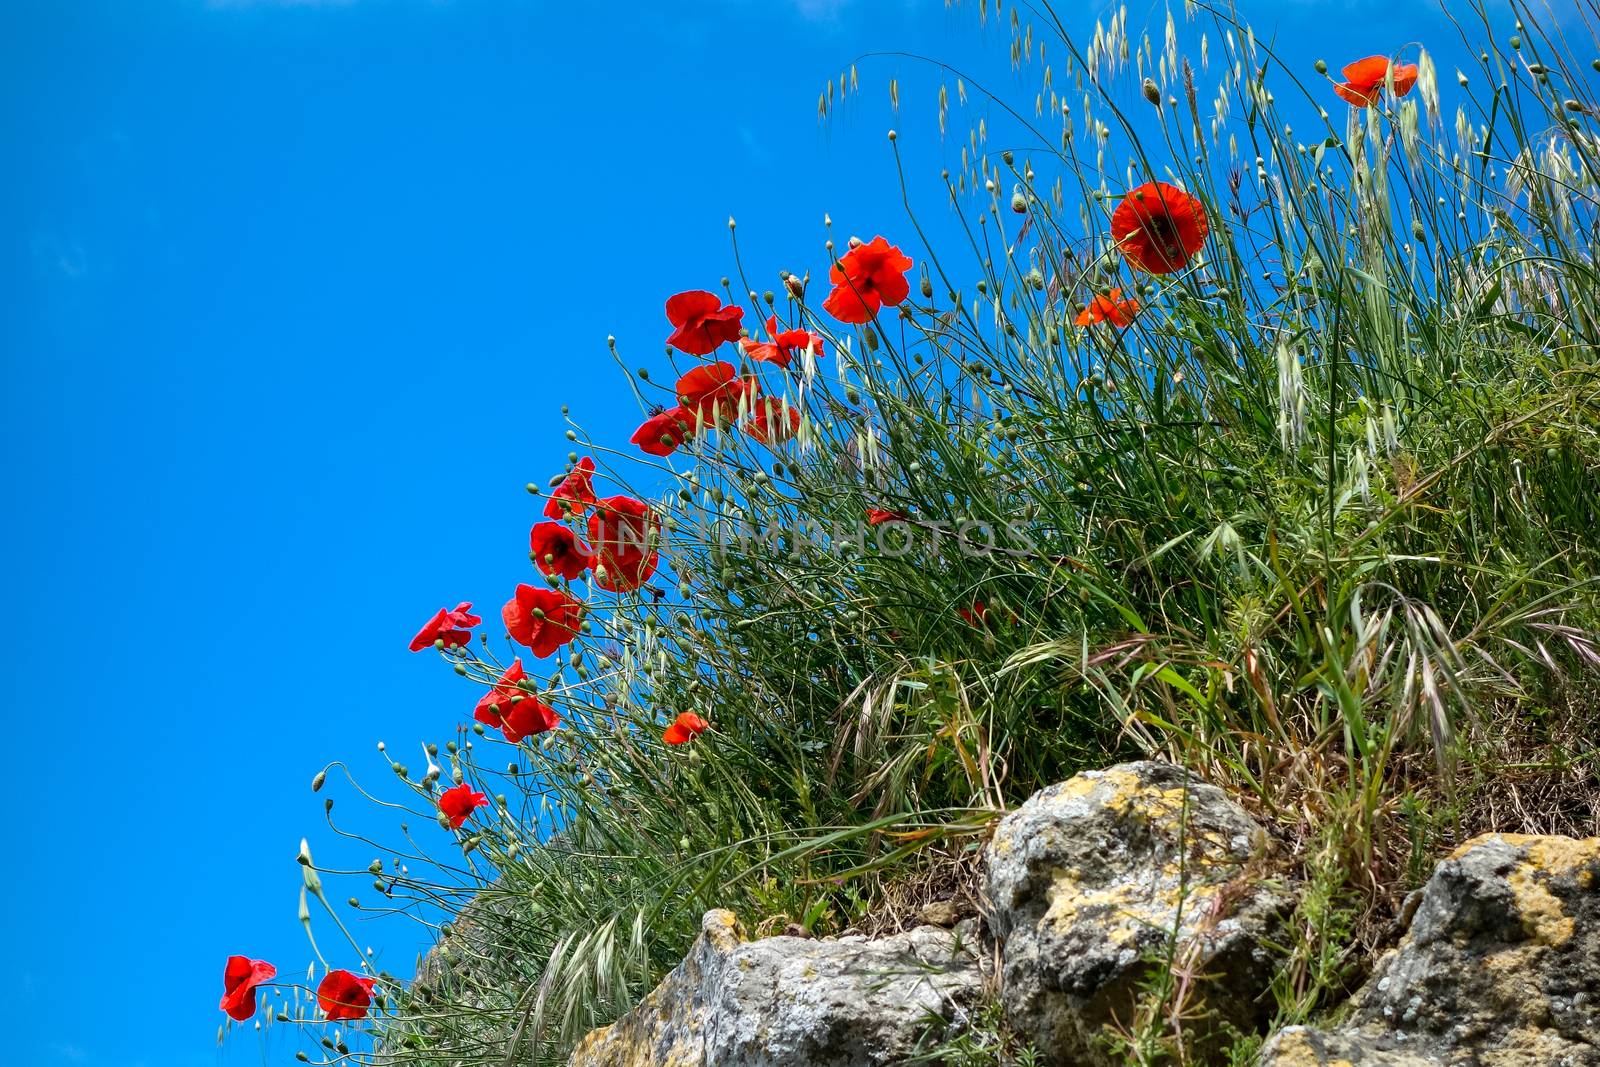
{"points": [[702, 322], [866, 278], [575, 492], [622, 536], [879, 516], [714, 392], [685, 727], [342, 995], [239, 980], [555, 550], [1110, 307], [1159, 227], [451, 627], [460, 802], [978, 615], [772, 421], [542, 619], [512, 710], [783, 347], [663, 433], [1365, 80], [526, 717]]}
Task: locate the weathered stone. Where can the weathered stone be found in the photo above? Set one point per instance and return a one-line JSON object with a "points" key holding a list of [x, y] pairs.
{"points": [[1090, 881], [1302, 1046], [1500, 968], [793, 1002]]}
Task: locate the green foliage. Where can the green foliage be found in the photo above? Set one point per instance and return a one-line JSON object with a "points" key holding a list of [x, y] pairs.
{"points": [[1327, 507]]}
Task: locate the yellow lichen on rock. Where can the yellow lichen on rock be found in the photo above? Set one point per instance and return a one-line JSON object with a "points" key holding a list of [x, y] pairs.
{"points": [[1541, 859]]}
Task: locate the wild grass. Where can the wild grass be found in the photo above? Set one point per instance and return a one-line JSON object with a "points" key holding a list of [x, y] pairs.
{"points": [[1323, 522]]}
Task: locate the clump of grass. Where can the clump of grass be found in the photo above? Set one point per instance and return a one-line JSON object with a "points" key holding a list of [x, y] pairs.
{"points": [[1321, 521]]}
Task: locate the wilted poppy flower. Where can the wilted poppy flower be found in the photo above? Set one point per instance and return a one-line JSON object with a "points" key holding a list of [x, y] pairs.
{"points": [[686, 726], [542, 619], [1366, 78], [512, 710], [783, 347], [555, 550], [772, 421], [1159, 227], [1110, 307], [575, 492], [239, 980], [460, 802], [451, 627], [713, 392], [702, 322], [622, 537], [865, 279], [879, 516], [342, 995]]}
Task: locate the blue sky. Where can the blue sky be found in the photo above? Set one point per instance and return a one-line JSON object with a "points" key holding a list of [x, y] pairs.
{"points": [[297, 289]]}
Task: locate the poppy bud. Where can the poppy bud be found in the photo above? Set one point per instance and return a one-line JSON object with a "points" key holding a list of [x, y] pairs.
{"points": [[927, 288], [1322, 66], [1019, 203], [796, 286], [533, 489], [1573, 105], [644, 374], [444, 820], [354, 903], [1152, 92], [1516, 44], [327, 805], [376, 867], [316, 783], [302, 1057], [892, 135], [461, 668], [731, 224], [855, 242]]}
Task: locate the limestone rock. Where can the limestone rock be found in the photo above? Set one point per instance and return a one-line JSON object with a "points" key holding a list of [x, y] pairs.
{"points": [[793, 1002], [1500, 968], [1088, 882]]}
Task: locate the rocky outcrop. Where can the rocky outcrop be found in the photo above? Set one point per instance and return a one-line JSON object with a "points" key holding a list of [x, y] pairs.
{"points": [[1099, 886], [1096, 883], [794, 1002], [1500, 968]]}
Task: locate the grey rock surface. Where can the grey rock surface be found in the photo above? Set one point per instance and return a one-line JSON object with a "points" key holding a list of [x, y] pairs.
{"points": [[1500, 968], [793, 1002], [1092, 882]]}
